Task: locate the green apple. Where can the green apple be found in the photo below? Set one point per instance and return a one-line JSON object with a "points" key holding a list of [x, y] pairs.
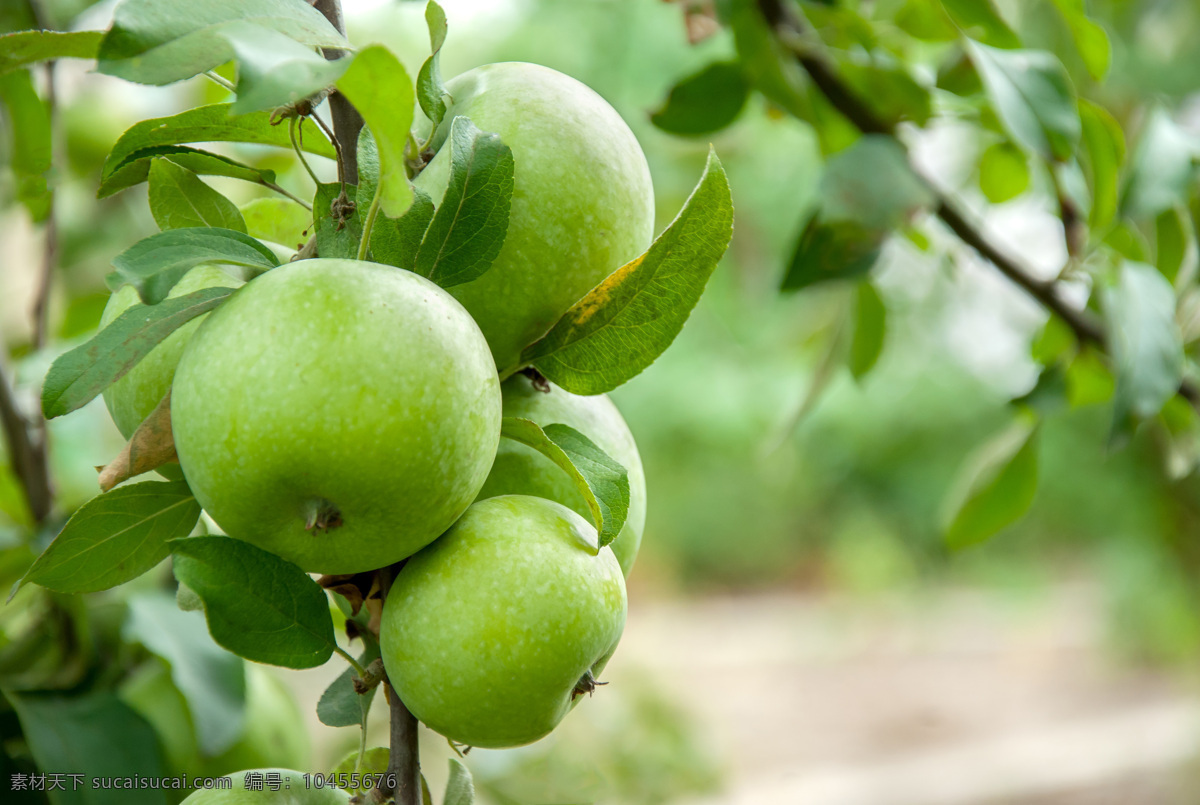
{"points": [[521, 470], [582, 203], [294, 789], [488, 632], [134, 396], [274, 733], [339, 413]]}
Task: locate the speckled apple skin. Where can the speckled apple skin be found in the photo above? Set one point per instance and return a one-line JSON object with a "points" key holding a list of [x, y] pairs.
{"points": [[486, 632], [582, 204], [293, 791], [521, 470], [134, 396], [339, 381]]}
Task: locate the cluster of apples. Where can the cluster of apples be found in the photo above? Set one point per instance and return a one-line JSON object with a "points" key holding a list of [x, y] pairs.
{"points": [[346, 415]]}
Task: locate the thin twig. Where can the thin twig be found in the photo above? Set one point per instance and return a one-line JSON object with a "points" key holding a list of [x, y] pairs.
{"points": [[337, 146], [947, 208], [293, 126], [219, 80], [292, 196], [26, 452]]}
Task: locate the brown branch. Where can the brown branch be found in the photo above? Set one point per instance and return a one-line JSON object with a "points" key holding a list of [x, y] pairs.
{"points": [[347, 122], [404, 759], [844, 100], [26, 449]]}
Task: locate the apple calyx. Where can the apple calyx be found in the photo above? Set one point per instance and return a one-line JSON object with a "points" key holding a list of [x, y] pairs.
{"points": [[322, 516], [586, 684]]}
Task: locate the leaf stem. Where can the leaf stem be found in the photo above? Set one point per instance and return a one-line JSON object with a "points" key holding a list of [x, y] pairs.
{"points": [[369, 222], [355, 664], [220, 80], [292, 196], [293, 125]]}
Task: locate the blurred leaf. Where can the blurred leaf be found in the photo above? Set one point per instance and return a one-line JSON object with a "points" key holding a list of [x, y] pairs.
{"points": [[871, 184], [136, 167], [29, 119], [927, 20], [203, 124], [831, 251], [1054, 341], [1003, 172], [79, 376], [980, 20], [1049, 392], [338, 234], [870, 329], [94, 735], [1033, 96], [1182, 429], [1172, 237], [957, 74], [704, 102], [469, 227], [460, 790], [26, 47], [179, 200], [380, 89], [888, 90], [768, 66], [340, 705], [164, 41], [623, 324], [153, 265], [1089, 382], [277, 220], [258, 606], [1162, 168], [275, 70], [374, 762], [996, 487], [431, 92], [212, 681], [115, 537], [1090, 39], [1128, 241], [1104, 144], [601, 480], [1144, 341]]}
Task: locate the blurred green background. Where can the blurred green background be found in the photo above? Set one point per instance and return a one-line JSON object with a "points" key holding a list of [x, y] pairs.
{"points": [[848, 501]]}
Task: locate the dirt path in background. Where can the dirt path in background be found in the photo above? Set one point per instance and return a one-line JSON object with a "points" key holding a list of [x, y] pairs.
{"points": [[960, 698]]}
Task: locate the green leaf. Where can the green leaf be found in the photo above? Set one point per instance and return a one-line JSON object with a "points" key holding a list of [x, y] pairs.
{"points": [[338, 233], [340, 705], [1032, 96], [203, 124], [870, 329], [95, 735], [980, 19], [623, 324], [1003, 172], [1144, 340], [179, 200], [374, 762], [115, 537], [1089, 382], [30, 154], [769, 66], [155, 264], [163, 41], [275, 70], [78, 376], [1090, 39], [460, 789], [212, 681], [431, 92], [468, 229], [889, 90], [136, 167], [26, 47], [831, 251], [1172, 237], [395, 241], [996, 487], [380, 89], [258, 606], [1162, 168], [277, 220], [1104, 146], [602, 482], [704, 102], [872, 184]]}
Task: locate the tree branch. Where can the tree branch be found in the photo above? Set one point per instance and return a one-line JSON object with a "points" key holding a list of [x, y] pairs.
{"points": [[347, 122], [404, 759], [26, 453], [843, 98]]}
